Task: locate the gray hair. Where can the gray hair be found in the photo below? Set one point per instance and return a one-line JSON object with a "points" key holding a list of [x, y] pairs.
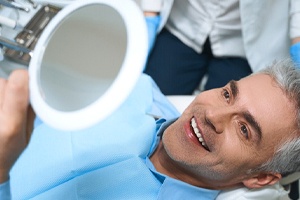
{"points": [[286, 159]]}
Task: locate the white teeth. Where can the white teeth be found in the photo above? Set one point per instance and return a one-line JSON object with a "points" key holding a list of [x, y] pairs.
{"points": [[197, 132], [194, 125]]}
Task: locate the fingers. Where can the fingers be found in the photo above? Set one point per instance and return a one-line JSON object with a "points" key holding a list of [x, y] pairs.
{"points": [[30, 122], [2, 86], [15, 98]]}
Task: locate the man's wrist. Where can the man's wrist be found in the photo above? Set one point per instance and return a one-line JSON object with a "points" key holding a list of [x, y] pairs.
{"points": [[150, 14], [296, 40]]}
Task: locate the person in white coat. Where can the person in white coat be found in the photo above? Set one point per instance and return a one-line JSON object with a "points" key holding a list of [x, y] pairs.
{"points": [[221, 39]]}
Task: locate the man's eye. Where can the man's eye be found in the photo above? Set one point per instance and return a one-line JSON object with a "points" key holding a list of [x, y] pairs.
{"points": [[244, 131], [226, 95]]}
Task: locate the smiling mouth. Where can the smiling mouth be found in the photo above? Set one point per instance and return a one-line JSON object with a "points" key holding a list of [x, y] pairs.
{"points": [[198, 134]]}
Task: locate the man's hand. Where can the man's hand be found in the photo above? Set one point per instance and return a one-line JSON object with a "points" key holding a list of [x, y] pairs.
{"points": [[16, 119]]}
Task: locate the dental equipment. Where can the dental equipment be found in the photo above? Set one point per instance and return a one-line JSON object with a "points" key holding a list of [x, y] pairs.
{"points": [[12, 4]]}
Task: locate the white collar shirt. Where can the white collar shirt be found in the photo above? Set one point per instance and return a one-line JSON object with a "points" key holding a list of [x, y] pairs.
{"points": [[193, 21]]}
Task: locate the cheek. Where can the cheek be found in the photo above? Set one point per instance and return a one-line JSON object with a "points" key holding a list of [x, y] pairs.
{"points": [[235, 154]]}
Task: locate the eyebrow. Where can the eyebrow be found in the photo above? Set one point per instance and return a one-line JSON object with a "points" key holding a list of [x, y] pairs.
{"points": [[234, 88], [247, 115], [251, 120]]}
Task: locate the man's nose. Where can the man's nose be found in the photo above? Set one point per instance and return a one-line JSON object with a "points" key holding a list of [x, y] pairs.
{"points": [[219, 117]]}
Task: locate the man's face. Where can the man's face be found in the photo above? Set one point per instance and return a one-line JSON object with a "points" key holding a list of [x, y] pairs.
{"points": [[239, 127]]}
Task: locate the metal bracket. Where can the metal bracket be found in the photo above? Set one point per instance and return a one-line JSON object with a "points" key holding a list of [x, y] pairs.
{"points": [[29, 36]]}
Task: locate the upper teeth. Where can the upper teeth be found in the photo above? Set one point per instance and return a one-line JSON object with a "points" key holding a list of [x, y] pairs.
{"points": [[197, 132]]}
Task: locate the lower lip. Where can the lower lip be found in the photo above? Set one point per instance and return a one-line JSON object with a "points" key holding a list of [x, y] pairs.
{"points": [[191, 136]]}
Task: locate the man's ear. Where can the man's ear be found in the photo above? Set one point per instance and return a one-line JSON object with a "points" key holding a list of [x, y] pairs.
{"points": [[262, 179]]}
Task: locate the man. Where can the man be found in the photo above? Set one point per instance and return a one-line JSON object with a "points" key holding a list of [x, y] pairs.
{"points": [[243, 134]]}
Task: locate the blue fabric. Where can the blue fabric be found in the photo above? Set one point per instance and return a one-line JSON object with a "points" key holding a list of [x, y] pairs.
{"points": [[57, 164], [295, 53], [175, 189], [106, 161], [4, 191], [152, 25]]}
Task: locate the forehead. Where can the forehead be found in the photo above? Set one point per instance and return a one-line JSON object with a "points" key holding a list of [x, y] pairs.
{"points": [[261, 95]]}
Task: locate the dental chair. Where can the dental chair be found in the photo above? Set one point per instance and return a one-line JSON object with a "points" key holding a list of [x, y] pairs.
{"points": [[287, 188]]}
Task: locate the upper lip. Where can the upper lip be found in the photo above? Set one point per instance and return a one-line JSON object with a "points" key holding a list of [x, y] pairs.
{"points": [[198, 133]]}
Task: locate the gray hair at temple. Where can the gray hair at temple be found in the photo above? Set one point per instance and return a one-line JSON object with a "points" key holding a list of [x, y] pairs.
{"points": [[286, 159]]}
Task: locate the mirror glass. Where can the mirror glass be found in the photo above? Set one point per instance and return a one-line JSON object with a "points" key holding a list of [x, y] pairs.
{"points": [[82, 57]]}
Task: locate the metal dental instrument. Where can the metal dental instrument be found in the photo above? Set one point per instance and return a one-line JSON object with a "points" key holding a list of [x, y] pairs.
{"points": [[12, 4], [34, 5], [13, 45], [21, 47]]}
